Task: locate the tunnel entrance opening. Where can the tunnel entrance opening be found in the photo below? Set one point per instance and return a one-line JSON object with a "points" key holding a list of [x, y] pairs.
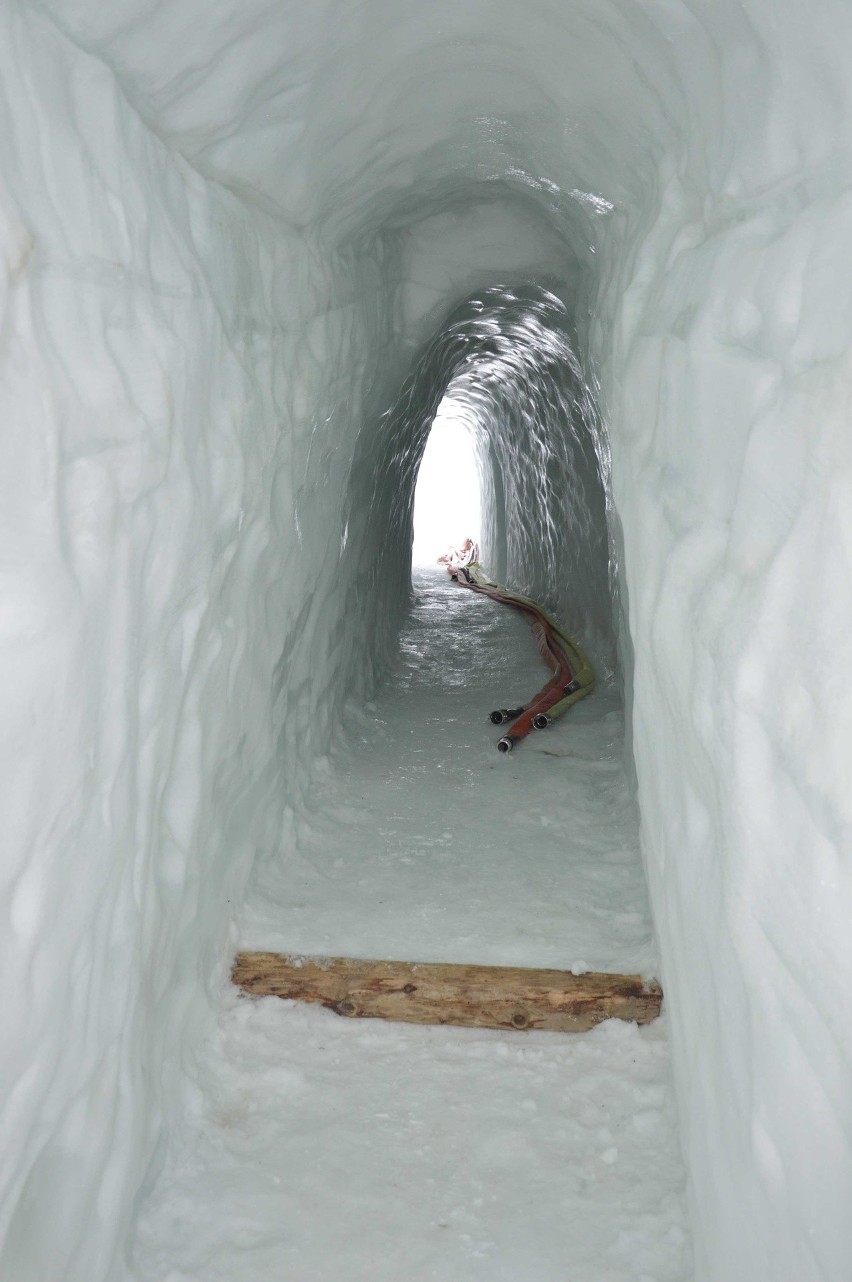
{"points": [[507, 360], [447, 498]]}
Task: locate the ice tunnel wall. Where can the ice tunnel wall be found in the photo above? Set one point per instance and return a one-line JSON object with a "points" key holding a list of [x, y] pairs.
{"points": [[227, 240], [164, 394]]}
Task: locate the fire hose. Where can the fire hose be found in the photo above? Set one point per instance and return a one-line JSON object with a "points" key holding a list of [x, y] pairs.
{"points": [[573, 677]]}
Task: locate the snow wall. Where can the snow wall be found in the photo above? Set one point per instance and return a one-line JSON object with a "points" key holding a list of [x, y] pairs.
{"points": [[230, 238]]}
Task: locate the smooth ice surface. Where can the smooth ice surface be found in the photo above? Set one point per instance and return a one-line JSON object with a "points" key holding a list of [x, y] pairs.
{"points": [[420, 841], [241, 250]]}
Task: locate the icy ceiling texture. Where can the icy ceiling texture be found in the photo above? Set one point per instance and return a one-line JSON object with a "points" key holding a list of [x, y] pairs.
{"points": [[228, 234]]}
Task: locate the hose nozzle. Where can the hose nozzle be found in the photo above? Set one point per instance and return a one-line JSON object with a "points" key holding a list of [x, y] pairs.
{"points": [[541, 721], [506, 743], [499, 715]]}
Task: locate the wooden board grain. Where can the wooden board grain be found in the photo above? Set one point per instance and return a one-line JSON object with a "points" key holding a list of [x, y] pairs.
{"points": [[509, 997]]}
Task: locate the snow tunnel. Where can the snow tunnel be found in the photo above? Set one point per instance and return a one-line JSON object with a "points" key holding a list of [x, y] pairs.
{"points": [[507, 358], [246, 250]]}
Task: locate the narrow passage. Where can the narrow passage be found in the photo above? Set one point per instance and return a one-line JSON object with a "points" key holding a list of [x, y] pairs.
{"points": [[424, 843], [328, 1150]]}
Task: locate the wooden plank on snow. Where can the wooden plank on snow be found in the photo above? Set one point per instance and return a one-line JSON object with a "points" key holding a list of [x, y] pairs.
{"points": [[509, 997]]}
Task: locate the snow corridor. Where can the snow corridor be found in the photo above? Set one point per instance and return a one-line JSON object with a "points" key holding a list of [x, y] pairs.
{"points": [[248, 250]]}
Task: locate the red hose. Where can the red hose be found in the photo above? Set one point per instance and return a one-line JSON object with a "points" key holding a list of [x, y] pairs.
{"points": [[549, 649]]}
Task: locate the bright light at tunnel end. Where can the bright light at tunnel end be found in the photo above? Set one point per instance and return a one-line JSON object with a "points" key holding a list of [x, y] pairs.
{"points": [[447, 506]]}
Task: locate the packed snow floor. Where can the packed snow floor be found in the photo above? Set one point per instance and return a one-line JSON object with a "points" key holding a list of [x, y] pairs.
{"points": [[423, 842], [326, 1150]]}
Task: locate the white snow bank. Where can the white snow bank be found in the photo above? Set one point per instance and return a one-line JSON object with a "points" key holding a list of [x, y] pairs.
{"points": [[183, 381]]}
